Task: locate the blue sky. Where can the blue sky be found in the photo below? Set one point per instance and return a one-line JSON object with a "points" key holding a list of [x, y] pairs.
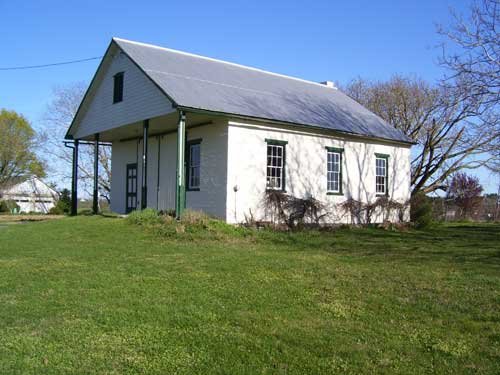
{"points": [[315, 40]]}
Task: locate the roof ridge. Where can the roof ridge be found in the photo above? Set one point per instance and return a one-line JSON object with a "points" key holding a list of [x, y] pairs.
{"points": [[225, 62], [212, 82]]}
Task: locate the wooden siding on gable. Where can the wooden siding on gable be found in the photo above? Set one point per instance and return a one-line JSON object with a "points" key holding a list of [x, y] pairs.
{"points": [[141, 99]]}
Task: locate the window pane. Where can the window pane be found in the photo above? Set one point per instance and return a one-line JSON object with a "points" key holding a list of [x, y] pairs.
{"points": [[194, 166], [275, 162], [195, 155], [380, 175], [334, 160]]}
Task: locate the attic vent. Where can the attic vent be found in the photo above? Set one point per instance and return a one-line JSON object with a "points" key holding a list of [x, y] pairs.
{"points": [[329, 84]]}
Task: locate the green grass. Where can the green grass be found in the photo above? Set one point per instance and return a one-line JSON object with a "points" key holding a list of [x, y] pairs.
{"points": [[99, 295]]}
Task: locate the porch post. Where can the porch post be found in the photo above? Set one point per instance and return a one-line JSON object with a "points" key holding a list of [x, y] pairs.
{"points": [[180, 196], [95, 206], [144, 186], [74, 180]]}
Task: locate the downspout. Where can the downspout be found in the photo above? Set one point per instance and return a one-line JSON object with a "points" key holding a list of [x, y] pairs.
{"points": [[158, 175], [180, 196], [95, 205], [144, 189]]}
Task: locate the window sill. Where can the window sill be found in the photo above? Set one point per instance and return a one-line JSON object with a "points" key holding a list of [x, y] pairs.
{"points": [[334, 193], [192, 189], [381, 195], [277, 190]]}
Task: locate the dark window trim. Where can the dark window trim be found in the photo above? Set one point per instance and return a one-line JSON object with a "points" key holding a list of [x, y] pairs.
{"points": [[334, 149], [386, 157], [339, 151], [190, 143], [118, 96], [276, 142]]}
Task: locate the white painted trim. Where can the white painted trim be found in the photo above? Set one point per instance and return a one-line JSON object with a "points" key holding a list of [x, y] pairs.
{"points": [[314, 132]]}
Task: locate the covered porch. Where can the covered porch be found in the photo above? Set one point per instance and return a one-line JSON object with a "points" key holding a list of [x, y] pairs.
{"points": [[142, 176]]}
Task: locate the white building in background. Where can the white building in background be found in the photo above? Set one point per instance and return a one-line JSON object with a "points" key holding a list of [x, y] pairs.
{"points": [[31, 195], [191, 131]]}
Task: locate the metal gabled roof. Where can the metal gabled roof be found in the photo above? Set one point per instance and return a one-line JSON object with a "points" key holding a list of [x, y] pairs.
{"points": [[207, 84]]}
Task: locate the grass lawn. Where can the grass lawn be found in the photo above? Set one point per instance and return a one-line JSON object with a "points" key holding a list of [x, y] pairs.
{"points": [[98, 295]]}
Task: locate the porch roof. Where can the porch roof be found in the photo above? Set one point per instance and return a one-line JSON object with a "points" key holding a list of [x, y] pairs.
{"points": [[199, 83]]}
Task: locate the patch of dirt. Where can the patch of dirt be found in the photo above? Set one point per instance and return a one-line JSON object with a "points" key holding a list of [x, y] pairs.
{"points": [[10, 219]]}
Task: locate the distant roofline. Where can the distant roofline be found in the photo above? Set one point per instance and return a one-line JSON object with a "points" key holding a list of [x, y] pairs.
{"points": [[224, 62]]}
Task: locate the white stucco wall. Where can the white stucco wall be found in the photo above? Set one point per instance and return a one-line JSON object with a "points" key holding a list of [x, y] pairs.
{"points": [[234, 154], [306, 169], [122, 153], [211, 198], [141, 98]]}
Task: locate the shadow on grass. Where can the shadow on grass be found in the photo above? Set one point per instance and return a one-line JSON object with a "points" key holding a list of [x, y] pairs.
{"points": [[443, 243]]}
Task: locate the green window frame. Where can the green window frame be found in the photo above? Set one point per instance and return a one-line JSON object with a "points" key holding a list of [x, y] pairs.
{"points": [[381, 174], [334, 171], [193, 165], [276, 165]]}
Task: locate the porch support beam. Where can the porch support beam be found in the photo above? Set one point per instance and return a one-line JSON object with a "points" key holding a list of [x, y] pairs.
{"points": [[74, 180], [161, 134], [180, 196], [144, 185], [95, 205]]}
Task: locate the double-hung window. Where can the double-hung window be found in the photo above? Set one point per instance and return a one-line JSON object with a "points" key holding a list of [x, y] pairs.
{"points": [[334, 170], [381, 174], [193, 159], [276, 158]]}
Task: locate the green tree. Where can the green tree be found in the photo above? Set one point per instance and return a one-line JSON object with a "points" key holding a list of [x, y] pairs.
{"points": [[17, 148], [64, 202]]}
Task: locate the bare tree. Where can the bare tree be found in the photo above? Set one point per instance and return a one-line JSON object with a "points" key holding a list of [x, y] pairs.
{"points": [[471, 52], [445, 126], [58, 116]]}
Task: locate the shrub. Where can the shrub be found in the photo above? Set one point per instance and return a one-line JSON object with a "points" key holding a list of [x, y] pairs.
{"points": [[363, 213], [64, 203], [192, 217], [421, 211], [56, 210], [145, 217], [169, 212], [293, 211], [7, 206], [192, 225], [355, 209]]}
